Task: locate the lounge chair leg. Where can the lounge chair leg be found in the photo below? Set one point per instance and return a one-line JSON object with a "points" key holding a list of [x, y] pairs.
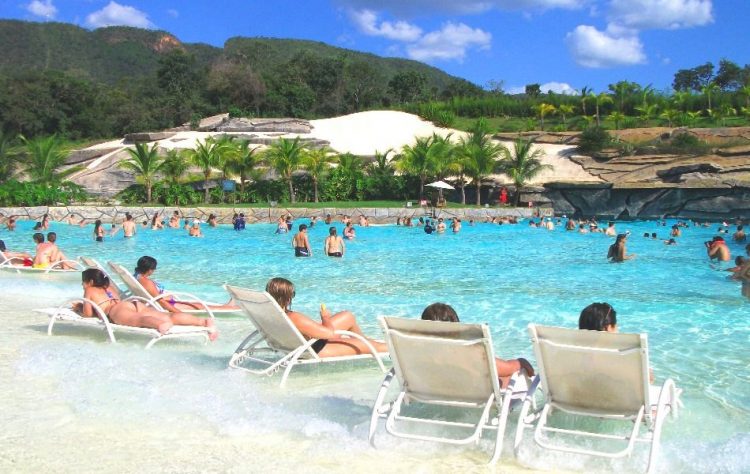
{"points": [[378, 402]]}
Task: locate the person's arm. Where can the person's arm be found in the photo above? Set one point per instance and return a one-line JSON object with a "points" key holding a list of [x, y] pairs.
{"points": [[506, 368], [343, 247], [307, 245], [312, 329], [152, 290]]}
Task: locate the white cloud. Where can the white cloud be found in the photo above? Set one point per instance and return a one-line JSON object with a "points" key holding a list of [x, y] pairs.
{"points": [[450, 42], [173, 13], [43, 9], [556, 87], [367, 22], [115, 14], [661, 14], [616, 46], [463, 6]]}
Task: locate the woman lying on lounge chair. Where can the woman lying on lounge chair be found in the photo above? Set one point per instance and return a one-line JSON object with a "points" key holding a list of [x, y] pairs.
{"points": [[146, 267], [97, 288], [328, 344], [505, 368]]}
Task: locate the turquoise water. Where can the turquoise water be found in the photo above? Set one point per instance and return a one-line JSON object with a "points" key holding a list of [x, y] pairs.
{"points": [[506, 276]]}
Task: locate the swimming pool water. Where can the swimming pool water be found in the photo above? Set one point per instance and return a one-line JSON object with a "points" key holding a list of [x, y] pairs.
{"points": [[507, 276]]}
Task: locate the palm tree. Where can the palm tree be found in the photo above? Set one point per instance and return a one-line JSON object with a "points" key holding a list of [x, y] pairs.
{"points": [[479, 134], [681, 99], [616, 117], [207, 155], [670, 115], [707, 90], [414, 159], [600, 100], [441, 156], [565, 110], [542, 110], [692, 116], [285, 156], [43, 157], [647, 111], [522, 164], [745, 90], [586, 94], [745, 111], [173, 167], [317, 163], [479, 159], [144, 161], [243, 160]]}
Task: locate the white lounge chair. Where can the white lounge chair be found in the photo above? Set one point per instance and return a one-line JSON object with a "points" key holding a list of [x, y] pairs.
{"points": [[137, 290], [446, 365], [277, 343], [601, 375], [65, 314]]}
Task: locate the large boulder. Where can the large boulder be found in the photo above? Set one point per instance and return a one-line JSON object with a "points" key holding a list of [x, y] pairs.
{"points": [[282, 125]]}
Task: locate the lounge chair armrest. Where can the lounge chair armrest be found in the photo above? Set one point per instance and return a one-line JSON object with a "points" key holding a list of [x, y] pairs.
{"points": [[669, 395], [374, 353], [62, 262], [97, 310]]}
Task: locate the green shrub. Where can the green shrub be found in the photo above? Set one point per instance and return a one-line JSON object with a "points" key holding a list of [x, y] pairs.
{"points": [[686, 143], [15, 193], [594, 139]]}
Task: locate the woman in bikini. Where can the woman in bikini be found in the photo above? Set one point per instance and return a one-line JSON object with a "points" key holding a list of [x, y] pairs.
{"points": [[97, 288], [146, 267], [328, 343], [98, 231]]}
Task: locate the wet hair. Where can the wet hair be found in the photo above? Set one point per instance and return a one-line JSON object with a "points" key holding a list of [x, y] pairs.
{"points": [[128, 216], [653, 235], [37, 226], [38, 237], [2, 246], [176, 213], [145, 264], [332, 231], [153, 219], [739, 228], [51, 237], [282, 290], [620, 238], [645, 234], [737, 261], [597, 317], [97, 277], [97, 225], [302, 227], [211, 216], [440, 312]]}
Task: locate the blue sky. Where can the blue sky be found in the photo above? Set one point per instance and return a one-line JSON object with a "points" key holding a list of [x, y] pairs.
{"points": [[562, 44]]}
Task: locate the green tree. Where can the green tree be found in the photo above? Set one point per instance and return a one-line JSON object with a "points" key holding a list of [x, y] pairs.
{"points": [[745, 91], [144, 162], [43, 157], [243, 161], [671, 115], [285, 156], [599, 101], [616, 117], [414, 160], [207, 155], [708, 90], [179, 80], [647, 111], [543, 110], [586, 94], [565, 110], [479, 156], [522, 164], [533, 90], [441, 156], [407, 86], [173, 167], [7, 160], [317, 162]]}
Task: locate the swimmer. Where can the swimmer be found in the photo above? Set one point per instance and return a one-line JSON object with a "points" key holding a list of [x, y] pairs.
{"points": [[549, 224], [334, 244], [739, 262], [186, 224], [281, 227], [128, 227], [349, 232], [98, 288], [428, 229], [301, 243], [146, 267], [98, 231], [195, 230], [610, 232], [212, 220], [582, 229], [239, 222], [174, 221], [676, 231], [456, 225], [156, 224], [739, 236], [45, 222], [617, 252], [328, 344], [440, 228], [11, 224], [670, 242], [570, 225], [505, 368], [363, 222], [717, 249], [328, 219]]}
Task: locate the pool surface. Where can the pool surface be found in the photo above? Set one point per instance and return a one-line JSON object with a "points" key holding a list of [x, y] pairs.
{"points": [[180, 399]]}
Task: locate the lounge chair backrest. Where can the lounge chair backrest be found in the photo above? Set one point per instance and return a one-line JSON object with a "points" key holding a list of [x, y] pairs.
{"points": [[93, 263], [133, 285], [592, 370], [269, 319], [437, 360]]}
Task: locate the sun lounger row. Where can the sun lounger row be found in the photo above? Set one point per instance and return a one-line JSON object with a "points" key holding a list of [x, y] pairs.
{"points": [[589, 374]]}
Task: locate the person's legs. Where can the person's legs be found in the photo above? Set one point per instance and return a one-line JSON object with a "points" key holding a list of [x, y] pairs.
{"points": [[345, 321], [193, 305], [349, 347], [138, 315]]}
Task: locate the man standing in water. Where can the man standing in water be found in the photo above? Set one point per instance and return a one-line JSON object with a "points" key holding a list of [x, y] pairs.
{"points": [[301, 243], [334, 244], [717, 249], [128, 227]]}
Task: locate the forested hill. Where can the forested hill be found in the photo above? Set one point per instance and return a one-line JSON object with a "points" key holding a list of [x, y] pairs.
{"points": [[60, 78]]}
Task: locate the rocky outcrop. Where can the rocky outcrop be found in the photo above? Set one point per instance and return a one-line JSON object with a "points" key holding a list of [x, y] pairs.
{"points": [[552, 138], [145, 137], [266, 140], [88, 154], [116, 214], [719, 201], [282, 125]]}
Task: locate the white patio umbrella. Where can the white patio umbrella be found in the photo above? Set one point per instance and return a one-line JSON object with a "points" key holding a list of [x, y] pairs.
{"points": [[440, 185]]}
